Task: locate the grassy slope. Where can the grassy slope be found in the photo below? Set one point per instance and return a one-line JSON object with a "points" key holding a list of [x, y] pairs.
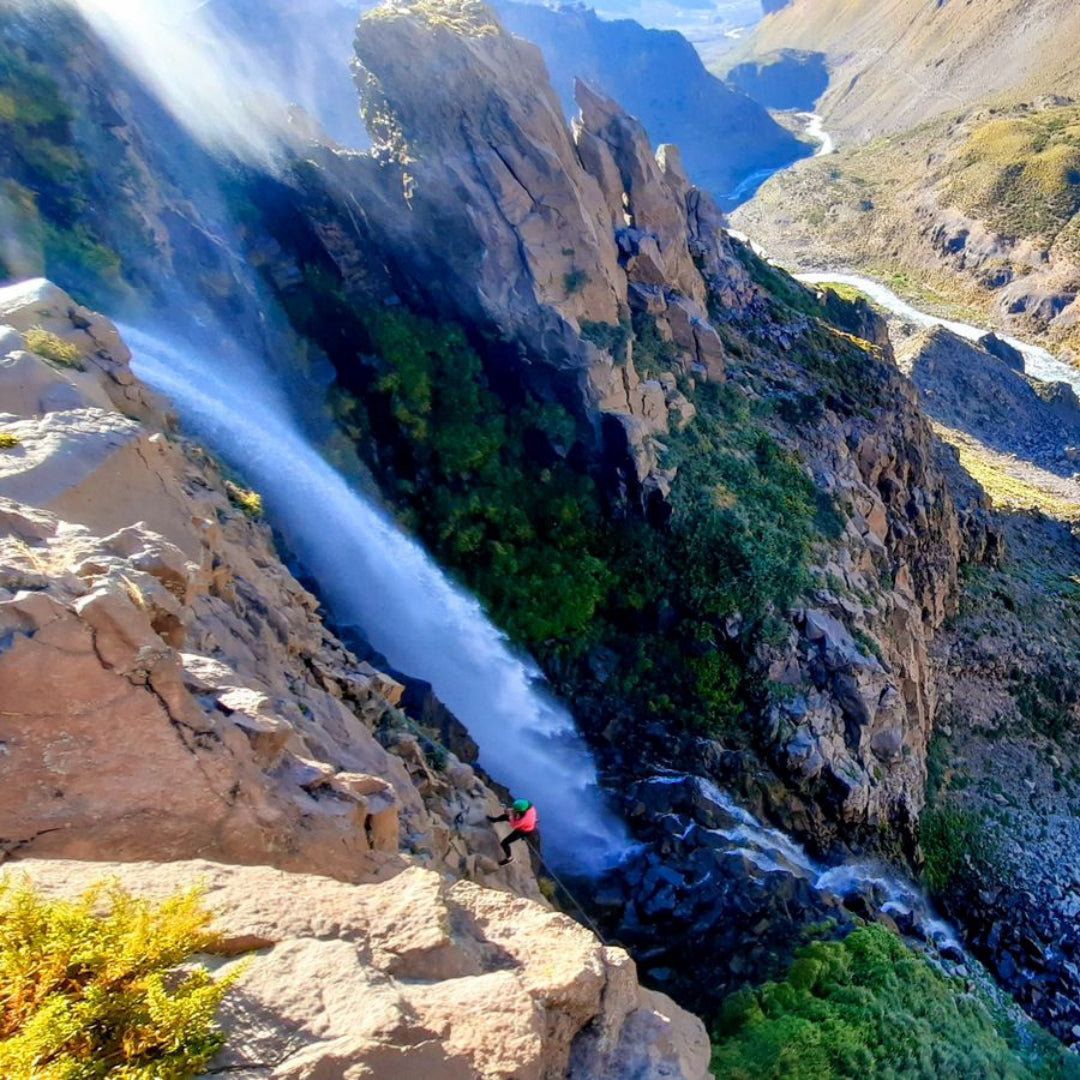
{"points": [[912, 60]]}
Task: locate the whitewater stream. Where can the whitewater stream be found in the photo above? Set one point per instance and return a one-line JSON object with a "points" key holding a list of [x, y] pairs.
{"points": [[813, 127], [372, 576], [1038, 362]]}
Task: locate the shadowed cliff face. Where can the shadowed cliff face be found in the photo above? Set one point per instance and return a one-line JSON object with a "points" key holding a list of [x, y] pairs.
{"points": [[482, 205]]}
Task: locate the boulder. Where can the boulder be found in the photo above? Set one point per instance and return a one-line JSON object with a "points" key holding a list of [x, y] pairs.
{"points": [[409, 976]]}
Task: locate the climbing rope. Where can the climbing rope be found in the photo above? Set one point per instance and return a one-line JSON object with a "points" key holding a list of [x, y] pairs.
{"points": [[573, 899]]}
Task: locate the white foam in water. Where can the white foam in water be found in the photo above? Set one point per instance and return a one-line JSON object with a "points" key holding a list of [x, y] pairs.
{"points": [[1038, 363], [374, 577]]}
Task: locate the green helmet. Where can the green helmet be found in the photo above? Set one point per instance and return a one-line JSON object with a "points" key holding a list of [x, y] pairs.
{"points": [[521, 805]]}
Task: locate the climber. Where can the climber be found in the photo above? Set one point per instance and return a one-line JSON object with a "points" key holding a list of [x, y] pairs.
{"points": [[522, 816]]}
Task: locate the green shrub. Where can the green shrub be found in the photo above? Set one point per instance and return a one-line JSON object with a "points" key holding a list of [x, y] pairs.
{"points": [[8, 441], [614, 337], [574, 281], [250, 502], [53, 347], [94, 987], [960, 851], [869, 1008]]}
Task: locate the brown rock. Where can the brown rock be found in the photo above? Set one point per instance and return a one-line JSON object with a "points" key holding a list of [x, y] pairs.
{"points": [[411, 977]]}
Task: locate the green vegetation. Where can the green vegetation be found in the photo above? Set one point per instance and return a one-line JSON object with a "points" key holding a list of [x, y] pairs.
{"points": [[868, 1008], [961, 852], [53, 347], [1021, 172], [471, 18], [1046, 700], [94, 987], [502, 487], [250, 502], [46, 188], [9, 441], [574, 281], [615, 338]]}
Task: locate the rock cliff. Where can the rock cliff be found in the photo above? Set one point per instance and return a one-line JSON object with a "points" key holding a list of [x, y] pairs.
{"points": [[549, 238], [409, 975], [658, 77], [170, 693], [139, 598]]}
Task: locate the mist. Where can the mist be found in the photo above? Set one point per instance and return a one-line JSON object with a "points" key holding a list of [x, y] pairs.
{"points": [[232, 97]]}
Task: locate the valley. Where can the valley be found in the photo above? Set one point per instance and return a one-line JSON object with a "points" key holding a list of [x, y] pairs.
{"points": [[448, 447]]}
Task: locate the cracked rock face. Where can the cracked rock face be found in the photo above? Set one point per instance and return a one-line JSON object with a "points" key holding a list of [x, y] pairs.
{"points": [[412, 977], [167, 688], [487, 207]]}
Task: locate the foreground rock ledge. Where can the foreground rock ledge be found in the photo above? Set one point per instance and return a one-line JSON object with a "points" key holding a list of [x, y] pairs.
{"points": [[413, 977]]}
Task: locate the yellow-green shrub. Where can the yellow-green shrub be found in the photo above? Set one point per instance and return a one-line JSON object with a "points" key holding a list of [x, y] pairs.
{"points": [[53, 347], [8, 441], [94, 987], [251, 502]]}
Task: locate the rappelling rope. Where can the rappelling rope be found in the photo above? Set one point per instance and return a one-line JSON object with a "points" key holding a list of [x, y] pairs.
{"points": [[573, 899]]}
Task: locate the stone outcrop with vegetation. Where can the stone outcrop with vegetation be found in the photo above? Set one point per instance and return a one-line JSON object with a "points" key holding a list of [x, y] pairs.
{"points": [[170, 693], [140, 596], [406, 975]]}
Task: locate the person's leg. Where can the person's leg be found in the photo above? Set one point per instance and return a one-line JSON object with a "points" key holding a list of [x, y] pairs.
{"points": [[506, 841]]}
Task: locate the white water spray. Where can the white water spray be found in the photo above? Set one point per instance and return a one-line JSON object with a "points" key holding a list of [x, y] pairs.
{"points": [[375, 578], [211, 83]]}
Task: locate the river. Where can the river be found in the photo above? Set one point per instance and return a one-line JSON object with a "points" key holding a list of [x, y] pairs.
{"points": [[813, 127], [1039, 363]]}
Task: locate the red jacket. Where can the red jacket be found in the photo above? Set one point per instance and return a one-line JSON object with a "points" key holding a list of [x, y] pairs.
{"points": [[524, 822]]}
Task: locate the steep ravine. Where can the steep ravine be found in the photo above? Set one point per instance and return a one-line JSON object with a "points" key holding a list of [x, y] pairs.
{"points": [[170, 694], [702, 494]]}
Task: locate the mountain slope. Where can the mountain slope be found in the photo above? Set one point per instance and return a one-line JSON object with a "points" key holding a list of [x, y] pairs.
{"points": [[658, 77], [897, 63]]}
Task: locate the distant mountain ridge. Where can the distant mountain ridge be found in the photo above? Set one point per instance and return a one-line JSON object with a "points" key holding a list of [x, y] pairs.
{"points": [[897, 63], [658, 77]]}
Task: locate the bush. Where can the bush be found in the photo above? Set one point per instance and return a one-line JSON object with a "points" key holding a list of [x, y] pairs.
{"points": [[49, 193], [250, 502], [94, 988], [869, 1008], [53, 347], [960, 850], [8, 441]]}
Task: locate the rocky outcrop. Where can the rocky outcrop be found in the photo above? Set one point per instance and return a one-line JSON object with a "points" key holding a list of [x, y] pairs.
{"points": [[785, 79], [977, 388], [853, 727], [658, 77], [409, 976], [490, 170], [169, 690], [488, 208]]}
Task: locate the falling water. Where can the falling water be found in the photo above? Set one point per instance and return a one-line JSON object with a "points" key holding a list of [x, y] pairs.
{"points": [[372, 576]]}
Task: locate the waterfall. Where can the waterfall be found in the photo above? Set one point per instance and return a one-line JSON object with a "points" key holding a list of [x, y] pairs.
{"points": [[372, 576]]}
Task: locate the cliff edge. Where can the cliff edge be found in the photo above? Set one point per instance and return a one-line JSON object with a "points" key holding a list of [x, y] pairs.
{"points": [[171, 694]]}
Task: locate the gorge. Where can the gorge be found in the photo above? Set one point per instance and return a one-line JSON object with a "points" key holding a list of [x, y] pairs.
{"points": [[701, 494]]}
